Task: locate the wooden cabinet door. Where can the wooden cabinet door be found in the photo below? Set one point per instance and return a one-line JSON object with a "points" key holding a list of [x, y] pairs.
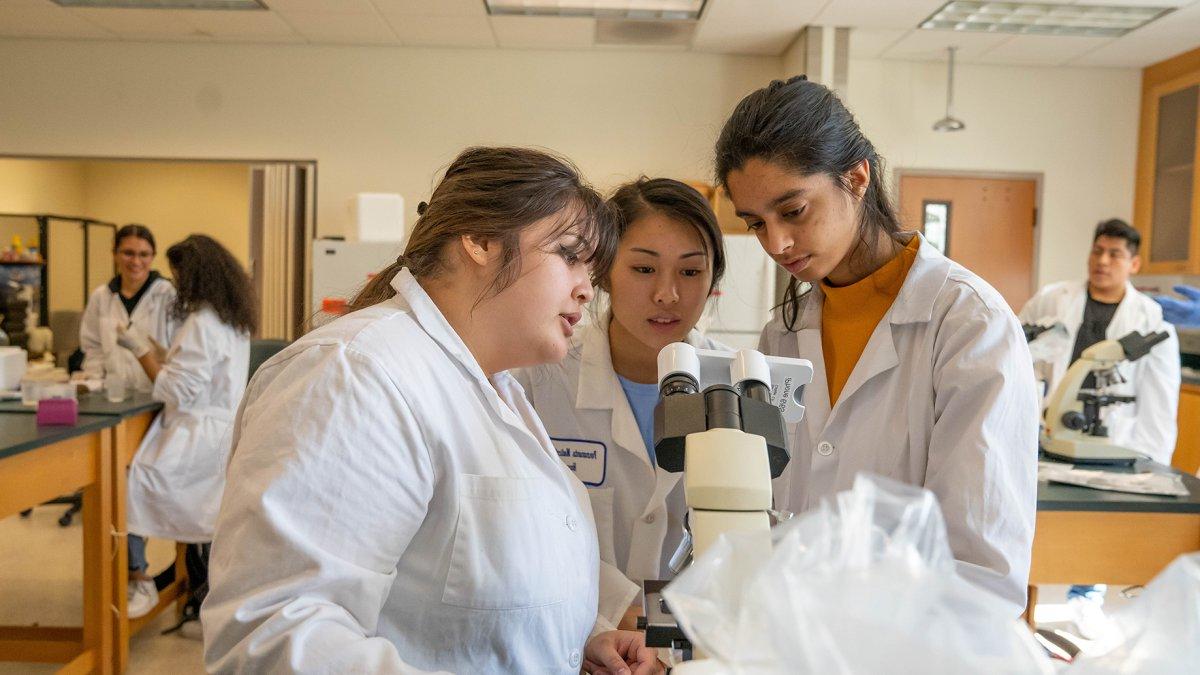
{"points": [[1187, 445], [1166, 205]]}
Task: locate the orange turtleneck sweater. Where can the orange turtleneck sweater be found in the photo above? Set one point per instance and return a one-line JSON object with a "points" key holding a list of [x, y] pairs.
{"points": [[851, 313]]}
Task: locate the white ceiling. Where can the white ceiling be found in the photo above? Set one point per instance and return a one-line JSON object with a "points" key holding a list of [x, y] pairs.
{"points": [[882, 28]]}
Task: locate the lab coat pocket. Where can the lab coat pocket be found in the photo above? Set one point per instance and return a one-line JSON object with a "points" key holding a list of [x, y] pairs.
{"points": [[602, 512], [512, 545]]}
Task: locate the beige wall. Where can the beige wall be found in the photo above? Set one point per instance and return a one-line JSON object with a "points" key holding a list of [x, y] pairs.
{"points": [[1076, 126], [174, 200], [376, 119], [386, 119], [40, 186]]}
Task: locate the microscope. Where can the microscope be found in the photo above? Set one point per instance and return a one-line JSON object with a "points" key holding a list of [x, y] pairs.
{"points": [[1073, 431], [720, 421]]}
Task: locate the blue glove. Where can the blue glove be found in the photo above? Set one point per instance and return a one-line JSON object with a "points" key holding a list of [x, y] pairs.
{"points": [[1182, 312]]}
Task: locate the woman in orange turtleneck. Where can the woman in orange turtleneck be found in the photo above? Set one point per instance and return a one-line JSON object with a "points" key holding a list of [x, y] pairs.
{"points": [[921, 372]]}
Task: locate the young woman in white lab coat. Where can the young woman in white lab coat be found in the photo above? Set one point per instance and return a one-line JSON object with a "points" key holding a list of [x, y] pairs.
{"points": [[177, 476], [920, 370], [137, 296], [394, 504], [598, 404]]}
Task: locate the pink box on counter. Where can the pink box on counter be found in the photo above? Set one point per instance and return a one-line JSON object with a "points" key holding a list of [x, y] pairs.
{"points": [[57, 411]]}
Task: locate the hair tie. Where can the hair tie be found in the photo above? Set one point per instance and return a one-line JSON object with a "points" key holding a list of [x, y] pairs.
{"points": [[422, 207]]}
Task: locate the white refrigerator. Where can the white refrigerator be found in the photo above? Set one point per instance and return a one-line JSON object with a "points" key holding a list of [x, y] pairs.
{"points": [[341, 268], [736, 316]]}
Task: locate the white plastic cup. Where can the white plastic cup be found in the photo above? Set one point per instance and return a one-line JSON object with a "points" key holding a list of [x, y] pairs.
{"points": [[114, 388]]}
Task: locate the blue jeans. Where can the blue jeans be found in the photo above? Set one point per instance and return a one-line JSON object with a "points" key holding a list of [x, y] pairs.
{"points": [[137, 553], [1091, 592]]}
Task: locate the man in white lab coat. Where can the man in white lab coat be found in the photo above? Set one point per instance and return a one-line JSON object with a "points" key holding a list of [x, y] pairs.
{"points": [[1107, 306]]}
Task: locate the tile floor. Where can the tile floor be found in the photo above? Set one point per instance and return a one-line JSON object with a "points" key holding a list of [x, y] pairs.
{"points": [[40, 582]]}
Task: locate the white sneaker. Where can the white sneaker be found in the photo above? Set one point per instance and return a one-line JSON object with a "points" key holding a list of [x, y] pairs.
{"points": [[192, 630], [143, 597], [1090, 619]]}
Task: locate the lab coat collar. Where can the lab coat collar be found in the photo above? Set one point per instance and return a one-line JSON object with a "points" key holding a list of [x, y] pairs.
{"points": [[1130, 314], [434, 322], [599, 389], [928, 274]]}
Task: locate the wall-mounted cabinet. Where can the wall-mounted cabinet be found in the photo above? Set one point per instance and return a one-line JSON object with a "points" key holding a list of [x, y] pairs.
{"points": [[1167, 200]]}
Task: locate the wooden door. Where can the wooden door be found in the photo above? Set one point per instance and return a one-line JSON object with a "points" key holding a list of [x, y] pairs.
{"points": [[989, 226]]}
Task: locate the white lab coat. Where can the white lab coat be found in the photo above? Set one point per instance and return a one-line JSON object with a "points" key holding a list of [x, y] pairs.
{"points": [[104, 312], [177, 476], [639, 508], [943, 397], [1148, 425], [391, 511]]}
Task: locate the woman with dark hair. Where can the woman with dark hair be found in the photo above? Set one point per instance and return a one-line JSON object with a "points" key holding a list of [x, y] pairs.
{"points": [[177, 476], [136, 297], [394, 504], [920, 369], [598, 404]]}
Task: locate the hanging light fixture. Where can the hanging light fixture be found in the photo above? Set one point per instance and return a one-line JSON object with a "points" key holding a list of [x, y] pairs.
{"points": [[950, 122]]}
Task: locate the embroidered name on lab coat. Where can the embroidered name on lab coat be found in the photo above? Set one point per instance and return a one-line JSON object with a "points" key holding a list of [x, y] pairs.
{"points": [[588, 459]]}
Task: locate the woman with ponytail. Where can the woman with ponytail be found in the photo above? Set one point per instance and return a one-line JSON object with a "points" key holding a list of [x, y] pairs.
{"points": [[920, 369], [394, 504]]}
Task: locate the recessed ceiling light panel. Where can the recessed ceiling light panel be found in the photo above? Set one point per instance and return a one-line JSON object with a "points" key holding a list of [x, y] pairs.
{"points": [[639, 10], [164, 4], [1042, 19]]}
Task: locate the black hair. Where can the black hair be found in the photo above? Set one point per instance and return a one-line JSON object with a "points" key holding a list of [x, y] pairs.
{"points": [[677, 201], [806, 128], [134, 230], [206, 273], [1115, 227]]}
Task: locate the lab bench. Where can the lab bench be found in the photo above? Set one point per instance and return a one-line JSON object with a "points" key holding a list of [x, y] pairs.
{"points": [[38, 463], [1086, 536]]}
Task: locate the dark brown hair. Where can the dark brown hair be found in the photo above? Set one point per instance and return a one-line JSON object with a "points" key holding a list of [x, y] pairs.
{"points": [[134, 230], [1119, 229], [803, 126], [494, 194], [207, 274], [675, 200]]}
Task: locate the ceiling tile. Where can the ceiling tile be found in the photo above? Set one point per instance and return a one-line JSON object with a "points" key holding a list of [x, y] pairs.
{"points": [[139, 23], [765, 27], [1041, 50], [544, 32], [239, 25], [930, 45], [899, 14], [28, 20], [432, 7], [333, 28], [442, 31], [869, 43]]}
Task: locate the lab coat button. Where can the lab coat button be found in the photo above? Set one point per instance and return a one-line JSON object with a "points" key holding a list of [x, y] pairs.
{"points": [[825, 448], [649, 518], [571, 523], [576, 658]]}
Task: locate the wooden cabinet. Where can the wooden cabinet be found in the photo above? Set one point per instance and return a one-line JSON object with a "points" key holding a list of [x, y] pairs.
{"points": [[1187, 446], [1167, 198]]}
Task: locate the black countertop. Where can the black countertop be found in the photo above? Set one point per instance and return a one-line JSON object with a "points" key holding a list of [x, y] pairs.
{"points": [[21, 433], [95, 403], [1059, 497]]}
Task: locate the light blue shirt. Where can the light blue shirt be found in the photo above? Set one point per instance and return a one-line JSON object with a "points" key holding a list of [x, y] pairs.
{"points": [[642, 399]]}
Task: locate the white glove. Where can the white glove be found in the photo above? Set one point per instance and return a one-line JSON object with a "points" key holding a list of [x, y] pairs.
{"points": [[135, 340]]}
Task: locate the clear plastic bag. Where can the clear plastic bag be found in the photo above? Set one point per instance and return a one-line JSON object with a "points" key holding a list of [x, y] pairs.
{"points": [[1160, 629], [865, 583]]}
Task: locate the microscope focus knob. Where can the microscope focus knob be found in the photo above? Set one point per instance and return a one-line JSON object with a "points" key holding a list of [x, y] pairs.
{"points": [[1074, 420]]}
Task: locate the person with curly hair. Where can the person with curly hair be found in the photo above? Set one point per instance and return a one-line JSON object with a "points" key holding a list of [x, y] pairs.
{"points": [[178, 474]]}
